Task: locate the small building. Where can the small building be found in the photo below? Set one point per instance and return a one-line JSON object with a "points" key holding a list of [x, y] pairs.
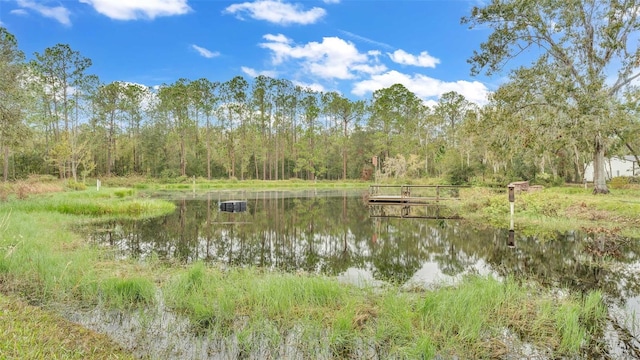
{"points": [[614, 167]]}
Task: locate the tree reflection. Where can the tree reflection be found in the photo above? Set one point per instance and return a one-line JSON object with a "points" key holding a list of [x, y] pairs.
{"points": [[331, 231]]}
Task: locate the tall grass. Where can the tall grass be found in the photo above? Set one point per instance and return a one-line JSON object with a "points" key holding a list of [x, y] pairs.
{"points": [[42, 259], [129, 292], [466, 321], [115, 202]]}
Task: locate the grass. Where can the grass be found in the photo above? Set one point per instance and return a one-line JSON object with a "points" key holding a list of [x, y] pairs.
{"points": [[464, 321], [187, 183], [131, 292], [115, 202], [555, 209], [29, 332]]}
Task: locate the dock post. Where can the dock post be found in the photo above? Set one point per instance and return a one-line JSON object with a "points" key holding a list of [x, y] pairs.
{"points": [[512, 199]]}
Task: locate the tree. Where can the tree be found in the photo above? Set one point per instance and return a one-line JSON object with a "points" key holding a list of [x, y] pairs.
{"points": [[396, 114], [174, 102], [208, 99], [233, 95], [452, 108], [347, 112], [309, 151], [582, 42], [108, 101], [262, 100], [11, 96], [62, 72]]}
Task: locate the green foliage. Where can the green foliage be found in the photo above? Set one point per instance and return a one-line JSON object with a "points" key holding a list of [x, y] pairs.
{"points": [[75, 185], [547, 180], [624, 182], [126, 293], [121, 193], [460, 174]]}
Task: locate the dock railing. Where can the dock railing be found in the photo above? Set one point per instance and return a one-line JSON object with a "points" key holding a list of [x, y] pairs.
{"points": [[412, 194]]}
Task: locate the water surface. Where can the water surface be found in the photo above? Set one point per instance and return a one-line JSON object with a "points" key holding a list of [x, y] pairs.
{"points": [[334, 232]]}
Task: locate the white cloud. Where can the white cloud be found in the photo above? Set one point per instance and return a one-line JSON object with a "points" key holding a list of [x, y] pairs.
{"points": [[19, 12], [58, 13], [276, 11], [254, 73], [333, 58], [138, 9], [422, 60], [423, 86], [205, 52]]}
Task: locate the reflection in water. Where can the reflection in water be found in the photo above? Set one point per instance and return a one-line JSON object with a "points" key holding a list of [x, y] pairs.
{"points": [[330, 232]]}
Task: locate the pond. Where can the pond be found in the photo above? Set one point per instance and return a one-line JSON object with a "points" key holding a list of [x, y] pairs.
{"points": [[334, 232]]}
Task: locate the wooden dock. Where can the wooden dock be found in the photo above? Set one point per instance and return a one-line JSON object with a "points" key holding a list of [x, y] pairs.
{"points": [[412, 195]]}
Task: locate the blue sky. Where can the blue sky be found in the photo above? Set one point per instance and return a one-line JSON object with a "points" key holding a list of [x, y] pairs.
{"points": [[351, 46]]}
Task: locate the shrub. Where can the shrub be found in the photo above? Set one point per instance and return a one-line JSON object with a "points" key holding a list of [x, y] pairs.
{"points": [[74, 185], [620, 182], [460, 175], [547, 180]]}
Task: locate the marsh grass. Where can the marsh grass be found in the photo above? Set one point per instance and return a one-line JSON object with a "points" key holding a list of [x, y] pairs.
{"points": [[467, 321], [114, 202], [28, 332], [127, 293], [43, 260]]}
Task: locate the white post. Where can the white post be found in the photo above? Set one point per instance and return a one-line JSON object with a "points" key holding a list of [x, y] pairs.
{"points": [[98, 185], [512, 200], [512, 210]]}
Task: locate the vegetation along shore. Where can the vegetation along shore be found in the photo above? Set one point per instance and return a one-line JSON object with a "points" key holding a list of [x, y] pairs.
{"points": [[46, 263]]}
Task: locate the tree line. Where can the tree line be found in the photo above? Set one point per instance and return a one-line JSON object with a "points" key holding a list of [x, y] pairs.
{"points": [[546, 122]]}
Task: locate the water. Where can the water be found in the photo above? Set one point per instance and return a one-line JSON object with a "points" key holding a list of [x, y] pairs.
{"points": [[336, 234]]}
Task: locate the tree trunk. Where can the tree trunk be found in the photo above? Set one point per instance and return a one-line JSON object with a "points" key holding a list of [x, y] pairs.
{"points": [[579, 167], [5, 167], [183, 157], [599, 177]]}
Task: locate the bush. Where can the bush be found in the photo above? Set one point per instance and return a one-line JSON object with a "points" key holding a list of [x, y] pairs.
{"points": [[74, 185], [621, 182], [547, 180], [460, 175]]}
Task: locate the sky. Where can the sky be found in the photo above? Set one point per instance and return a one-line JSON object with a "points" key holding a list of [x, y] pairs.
{"points": [[354, 47]]}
